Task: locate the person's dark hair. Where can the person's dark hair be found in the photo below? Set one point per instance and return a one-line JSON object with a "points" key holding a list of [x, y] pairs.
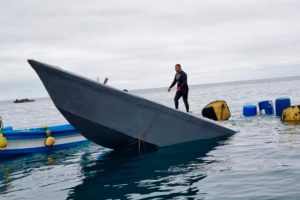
{"points": [[178, 65]]}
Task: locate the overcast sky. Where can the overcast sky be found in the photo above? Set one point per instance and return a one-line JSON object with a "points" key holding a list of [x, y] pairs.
{"points": [[136, 43]]}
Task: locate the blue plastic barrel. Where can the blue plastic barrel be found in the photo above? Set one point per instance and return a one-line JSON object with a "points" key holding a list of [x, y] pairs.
{"points": [[267, 106], [281, 104], [249, 110]]}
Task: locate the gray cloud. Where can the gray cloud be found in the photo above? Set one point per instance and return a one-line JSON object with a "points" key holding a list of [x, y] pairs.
{"points": [[137, 42]]}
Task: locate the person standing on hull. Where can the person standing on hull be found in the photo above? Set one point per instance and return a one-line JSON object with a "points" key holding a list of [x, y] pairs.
{"points": [[182, 87]]}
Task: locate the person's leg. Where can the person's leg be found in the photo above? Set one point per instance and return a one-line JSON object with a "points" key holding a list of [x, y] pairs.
{"points": [[185, 99], [176, 98]]}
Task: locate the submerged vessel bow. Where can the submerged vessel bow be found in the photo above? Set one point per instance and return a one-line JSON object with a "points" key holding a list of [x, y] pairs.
{"points": [[116, 119]]}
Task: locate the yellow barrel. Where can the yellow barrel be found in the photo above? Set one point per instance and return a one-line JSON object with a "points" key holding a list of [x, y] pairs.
{"points": [[291, 114], [217, 110]]}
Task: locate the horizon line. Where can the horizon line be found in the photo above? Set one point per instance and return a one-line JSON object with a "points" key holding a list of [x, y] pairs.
{"points": [[203, 84]]}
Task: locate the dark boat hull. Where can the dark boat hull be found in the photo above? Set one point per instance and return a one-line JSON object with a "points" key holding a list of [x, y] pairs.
{"points": [[116, 119]]}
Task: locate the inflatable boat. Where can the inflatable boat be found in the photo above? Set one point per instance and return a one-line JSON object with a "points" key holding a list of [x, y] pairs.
{"points": [[14, 142]]}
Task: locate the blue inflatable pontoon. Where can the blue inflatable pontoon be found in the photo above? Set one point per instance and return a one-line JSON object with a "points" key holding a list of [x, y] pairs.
{"points": [[35, 140]]}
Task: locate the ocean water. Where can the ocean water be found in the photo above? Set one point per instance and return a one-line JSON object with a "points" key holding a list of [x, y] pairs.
{"points": [[261, 161]]}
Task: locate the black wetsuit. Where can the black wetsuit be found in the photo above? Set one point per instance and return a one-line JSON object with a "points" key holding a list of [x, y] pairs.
{"points": [[181, 80]]}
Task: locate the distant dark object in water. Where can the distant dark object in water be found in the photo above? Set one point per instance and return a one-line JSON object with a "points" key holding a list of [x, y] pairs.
{"points": [[217, 110], [23, 100], [125, 90]]}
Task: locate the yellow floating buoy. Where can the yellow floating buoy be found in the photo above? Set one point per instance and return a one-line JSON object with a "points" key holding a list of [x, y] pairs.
{"points": [[48, 133], [3, 142], [291, 114], [44, 127], [217, 110], [49, 142]]}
